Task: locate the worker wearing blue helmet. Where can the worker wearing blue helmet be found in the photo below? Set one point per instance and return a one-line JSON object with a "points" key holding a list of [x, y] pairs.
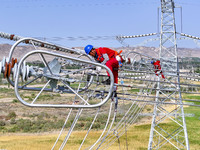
{"points": [[107, 56], [112, 59], [88, 49]]}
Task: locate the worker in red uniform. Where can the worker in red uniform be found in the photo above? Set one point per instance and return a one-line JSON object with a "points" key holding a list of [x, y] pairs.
{"points": [[157, 68], [112, 60], [106, 56]]}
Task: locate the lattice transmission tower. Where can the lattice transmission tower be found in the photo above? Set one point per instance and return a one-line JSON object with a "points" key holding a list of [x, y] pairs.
{"points": [[174, 134], [84, 93]]}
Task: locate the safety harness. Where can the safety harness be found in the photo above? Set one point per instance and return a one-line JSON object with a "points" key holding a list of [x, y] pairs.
{"points": [[100, 56]]}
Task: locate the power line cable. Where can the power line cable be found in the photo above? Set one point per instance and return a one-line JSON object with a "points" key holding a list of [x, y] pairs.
{"points": [[44, 3]]}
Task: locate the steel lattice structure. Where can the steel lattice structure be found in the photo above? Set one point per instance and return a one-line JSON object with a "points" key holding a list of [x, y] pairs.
{"points": [[83, 91], [176, 135]]}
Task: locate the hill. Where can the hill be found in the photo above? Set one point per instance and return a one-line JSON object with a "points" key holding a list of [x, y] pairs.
{"points": [[151, 51]]}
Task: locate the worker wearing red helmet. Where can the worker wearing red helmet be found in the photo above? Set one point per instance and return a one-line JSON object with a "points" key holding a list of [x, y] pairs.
{"points": [[157, 68], [107, 56]]}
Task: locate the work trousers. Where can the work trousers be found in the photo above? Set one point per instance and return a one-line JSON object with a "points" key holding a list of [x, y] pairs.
{"points": [[113, 65]]}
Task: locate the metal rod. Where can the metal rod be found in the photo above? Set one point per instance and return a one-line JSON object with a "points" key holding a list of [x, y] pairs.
{"points": [[154, 102]]}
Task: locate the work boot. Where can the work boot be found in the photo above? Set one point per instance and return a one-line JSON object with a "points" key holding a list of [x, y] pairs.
{"points": [[107, 82]]}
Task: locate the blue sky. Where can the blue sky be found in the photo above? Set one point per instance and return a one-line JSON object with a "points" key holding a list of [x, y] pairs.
{"points": [[95, 22]]}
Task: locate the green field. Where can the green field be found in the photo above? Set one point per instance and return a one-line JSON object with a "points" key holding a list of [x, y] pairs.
{"points": [[26, 128], [137, 137]]}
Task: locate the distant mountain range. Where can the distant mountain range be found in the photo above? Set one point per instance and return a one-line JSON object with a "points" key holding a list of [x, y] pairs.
{"points": [[151, 51]]}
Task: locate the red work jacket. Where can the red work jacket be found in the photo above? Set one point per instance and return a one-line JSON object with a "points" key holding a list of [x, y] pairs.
{"points": [[157, 65], [104, 50]]}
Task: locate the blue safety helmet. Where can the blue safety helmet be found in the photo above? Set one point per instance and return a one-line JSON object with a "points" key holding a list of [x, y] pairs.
{"points": [[88, 48]]}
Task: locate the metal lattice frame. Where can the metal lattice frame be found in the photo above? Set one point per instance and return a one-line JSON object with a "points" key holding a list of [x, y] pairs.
{"points": [[136, 69], [173, 135]]}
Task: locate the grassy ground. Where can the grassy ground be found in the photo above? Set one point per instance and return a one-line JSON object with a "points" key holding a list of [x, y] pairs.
{"points": [[137, 139], [137, 136], [193, 123]]}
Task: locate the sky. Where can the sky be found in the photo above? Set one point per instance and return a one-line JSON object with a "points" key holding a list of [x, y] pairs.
{"points": [[74, 23]]}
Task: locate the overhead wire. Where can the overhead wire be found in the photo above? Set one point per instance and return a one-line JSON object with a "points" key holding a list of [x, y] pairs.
{"points": [[85, 38], [44, 3]]}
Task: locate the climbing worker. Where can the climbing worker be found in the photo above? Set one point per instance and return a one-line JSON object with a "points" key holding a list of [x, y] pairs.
{"points": [[157, 68], [112, 60], [107, 56]]}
